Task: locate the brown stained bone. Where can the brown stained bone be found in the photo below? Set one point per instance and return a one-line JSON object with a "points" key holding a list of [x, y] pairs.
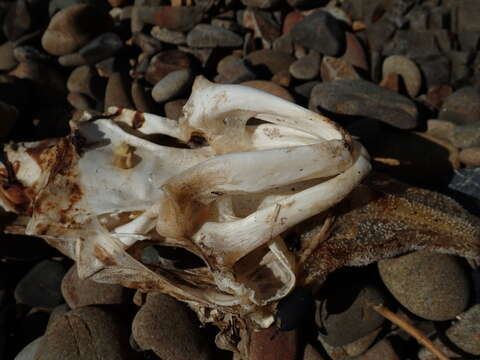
{"points": [[383, 218]]}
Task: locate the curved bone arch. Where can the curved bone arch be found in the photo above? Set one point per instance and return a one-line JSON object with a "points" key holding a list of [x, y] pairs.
{"points": [[107, 187]]}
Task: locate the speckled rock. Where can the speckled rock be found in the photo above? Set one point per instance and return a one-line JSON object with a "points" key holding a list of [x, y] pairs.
{"points": [[432, 286], [168, 328], [40, 287], [462, 107], [205, 35], [321, 32], [407, 69], [82, 292], [270, 87], [346, 314], [268, 345], [86, 333], [171, 85], [465, 333], [73, 27], [362, 98], [307, 67]]}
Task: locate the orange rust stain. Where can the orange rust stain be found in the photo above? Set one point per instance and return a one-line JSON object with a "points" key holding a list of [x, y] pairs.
{"points": [[103, 256], [138, 120]]}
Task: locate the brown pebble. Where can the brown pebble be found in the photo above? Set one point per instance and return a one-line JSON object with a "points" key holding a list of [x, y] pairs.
{"points": [[73, 27], [80, 101], [337, 69], [282, 78], [270, 87], [164, 63], [436, 95], [141, 99], [290, 20], [355, 53], [440, 129], [173, 109], [266, 344], [391, 82], [470, 157], [274, 61], [118, 91]]}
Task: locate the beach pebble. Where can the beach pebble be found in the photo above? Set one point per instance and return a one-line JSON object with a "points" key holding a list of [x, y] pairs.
{"points": [[273, 61], [209, 36], [362, 98], [470, 157], [462, 106], [233, 70], [465, 332], [432, 286], [82, 292], [168, 36], [321, 32], [333, 68], [86, 333], [266, 344], [41, 285], [407, 69], [171, 85], [345, 315], [307, 67], [166, 62], [169, 328], [118, 91], [355, 53], [73, 27]]}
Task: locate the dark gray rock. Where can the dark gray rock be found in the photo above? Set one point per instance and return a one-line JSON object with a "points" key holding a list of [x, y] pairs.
{"points": [[100, 48], [305, 89], [321, 32], [432, 286], [362, 98], [462, 106], [346, 314], [40, 287], [205, 35], [168, 328], [435, 69]]}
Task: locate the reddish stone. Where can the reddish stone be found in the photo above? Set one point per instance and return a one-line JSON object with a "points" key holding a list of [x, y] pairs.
{"points": [[354, 52], [436, 94], [271, 344], [290, 20], [164, 63]]}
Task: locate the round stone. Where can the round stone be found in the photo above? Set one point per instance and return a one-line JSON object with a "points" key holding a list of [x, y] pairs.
{"points": [[432, 286]]}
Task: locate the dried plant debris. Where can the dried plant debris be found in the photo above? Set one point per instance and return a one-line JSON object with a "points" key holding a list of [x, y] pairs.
{"points": [[247, 185]]}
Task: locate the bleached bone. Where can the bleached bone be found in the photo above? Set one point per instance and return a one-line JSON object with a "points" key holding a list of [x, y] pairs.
{"points": [[99, 193]]}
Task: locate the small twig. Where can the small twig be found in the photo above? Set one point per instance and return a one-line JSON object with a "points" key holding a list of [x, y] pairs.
{"points": [[413, 331]]}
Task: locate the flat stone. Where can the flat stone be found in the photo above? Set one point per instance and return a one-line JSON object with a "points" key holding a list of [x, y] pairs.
{"points": [[171, 85], [270, 87], [407, 69], [40, 287], [321, 32], [345, 315], [205, 35], [86, 333], [465, 332], [432, 286], [266, 344], [362, 98], [166, 62], [307, 67], [73, 27], [462, 106], [168, 328], [82, 292]]}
